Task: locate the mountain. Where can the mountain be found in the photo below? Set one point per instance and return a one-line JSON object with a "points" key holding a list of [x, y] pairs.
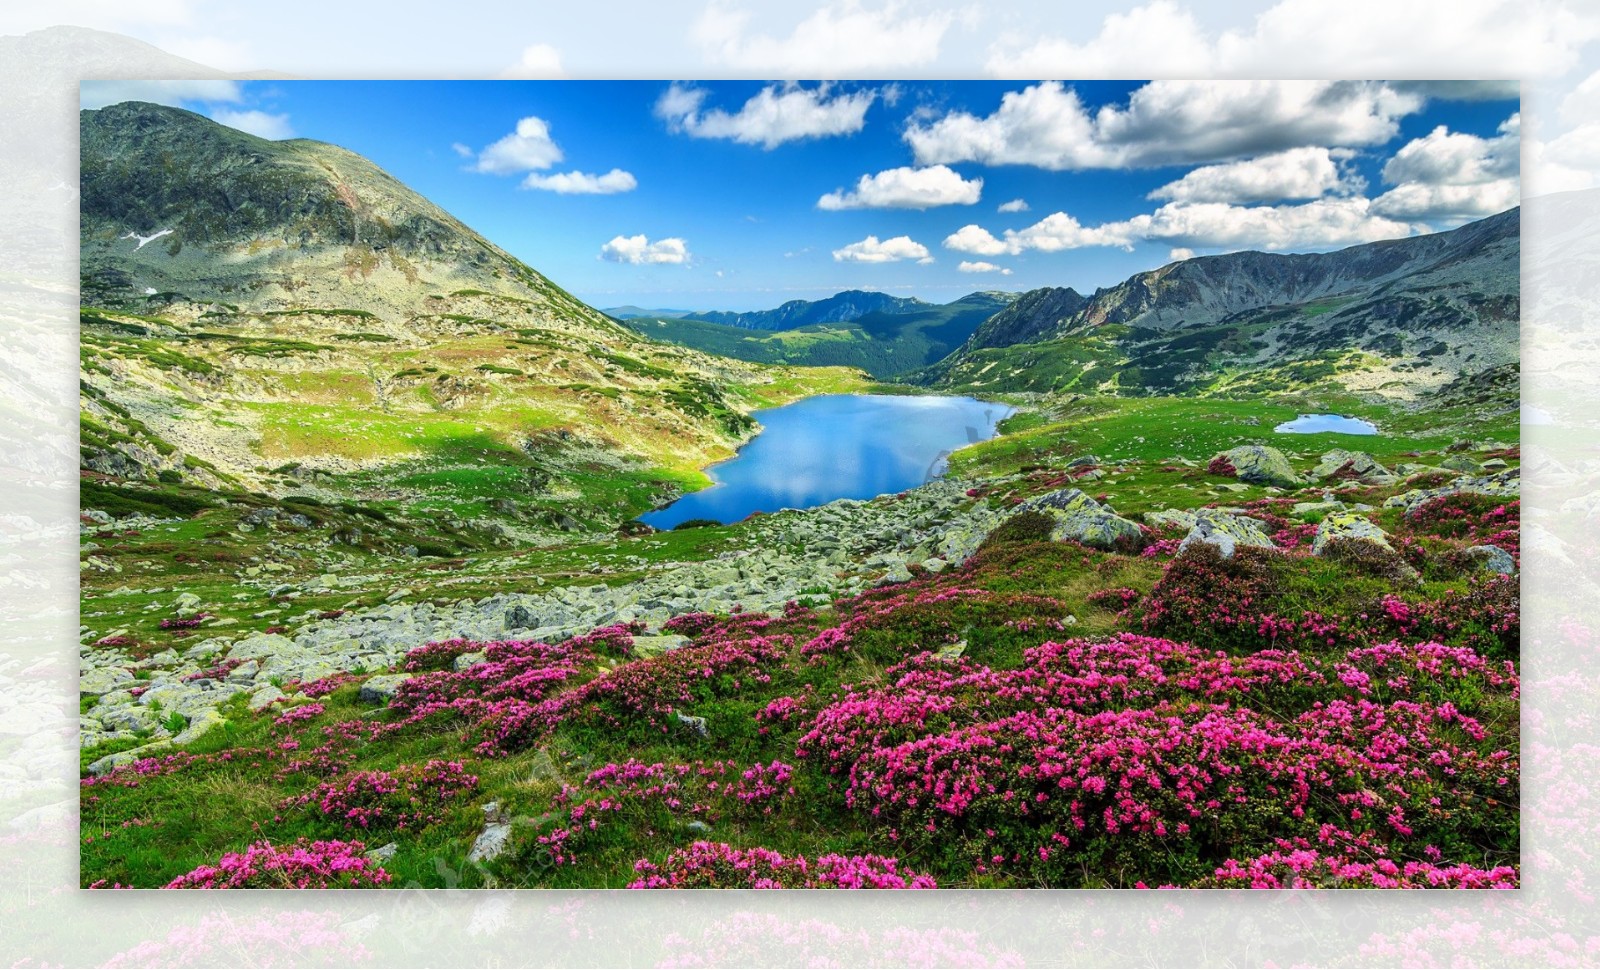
{"points": [[884, 343], [286, 316], [1398, 317], [630, 311], [839, 308]]}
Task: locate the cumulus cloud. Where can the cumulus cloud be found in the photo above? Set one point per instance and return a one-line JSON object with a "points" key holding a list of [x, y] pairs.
{"points": [[639, 250], [976, 240], [1319, 224], [1048, 126], [537, 61], [1449, 176], [873, 250], [906, 188], [98, 94], [838, 40], [527, 148], [778, 113], [1015, 205], [1443, 38], [258, 123], [1299, 173], [979, 266], [582, 183], [1179, 254]]}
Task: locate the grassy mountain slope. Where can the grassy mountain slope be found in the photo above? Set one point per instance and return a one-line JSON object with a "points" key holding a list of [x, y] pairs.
{"points": [[302, 321], [1397, 318], [840, 308]]}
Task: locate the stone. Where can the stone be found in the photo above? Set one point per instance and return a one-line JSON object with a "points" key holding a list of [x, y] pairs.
{"points": [[897, 573], [1494, 559], [186, 601], [1226, 532], [494, 837], [1080, 518], [1503, 484], [519, 618], [1177, 518], [695, 724], [465, 660], [1261, 465], [651, 646], [261, 646], [952, 651], [1461, 463], [381, 689], [100, 681], [1350, 464], [397, 595], [121, 758], [200, 724], [1347, 525], [265, 697], [935, 566], [382, 853], [698, 827]]}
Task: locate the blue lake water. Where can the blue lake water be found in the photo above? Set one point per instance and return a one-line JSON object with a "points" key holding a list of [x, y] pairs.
{"points": [[1313, 423], [814, 451]]}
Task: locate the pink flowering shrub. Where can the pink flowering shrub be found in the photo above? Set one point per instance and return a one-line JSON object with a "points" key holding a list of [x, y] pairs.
{"points": [[1297, 864], [717, 865], [296, 715], [1140, 752], [410, 797], [303, 864]]}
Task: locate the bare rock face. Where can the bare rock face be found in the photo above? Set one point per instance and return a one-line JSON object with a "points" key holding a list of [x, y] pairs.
{"points": [[1359, 465]]}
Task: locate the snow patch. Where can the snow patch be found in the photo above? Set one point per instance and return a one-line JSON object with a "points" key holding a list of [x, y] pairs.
{"points": [[147, 239]]}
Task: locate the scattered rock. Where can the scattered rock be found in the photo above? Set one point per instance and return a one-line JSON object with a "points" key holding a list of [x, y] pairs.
{"points": [[495, 836], [1504, 484], [1226, 532], [1347, 525], [1358, 465], [695, 724], [652, 646], [1494, 559], [519, 618], [381, 689], [1259, 464], [952, 651], [1460, 463], [382, 853], [1082, 519], [200, 724], [265, 697]]}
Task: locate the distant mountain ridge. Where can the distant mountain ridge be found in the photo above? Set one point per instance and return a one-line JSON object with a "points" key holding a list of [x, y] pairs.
{"points": [[842, 307], [904, 336]]}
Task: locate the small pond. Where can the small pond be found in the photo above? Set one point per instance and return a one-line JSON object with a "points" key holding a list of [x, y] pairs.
{"points": [[835, 446], [1315, 423]]}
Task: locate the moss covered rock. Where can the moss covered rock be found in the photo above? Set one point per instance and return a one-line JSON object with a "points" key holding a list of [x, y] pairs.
{"points": [[1259, 464], [1226, 532], [1338, 526], [1081, 519]]}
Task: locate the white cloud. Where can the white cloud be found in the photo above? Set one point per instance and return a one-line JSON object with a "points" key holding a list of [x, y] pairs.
{"points": [[639, 250], [1449, 177], [537, 61], [1179, 254], [1320, 224], [976, 240], [872, 250], [1128, 44], [778, 113], [1299, 173], [527, 148], [1048, 126], [838, 40], [906, 188], [1441, 38], [968, 266], [460, 149], [1015, 205], [258, 123], [98, 94], [582, 183]]}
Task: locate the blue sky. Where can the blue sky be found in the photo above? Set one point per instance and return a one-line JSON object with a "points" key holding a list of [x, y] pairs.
{"points": [[741, 195]]}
